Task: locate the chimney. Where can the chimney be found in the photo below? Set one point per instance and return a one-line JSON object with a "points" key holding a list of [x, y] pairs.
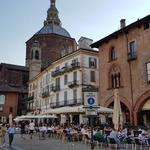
{"points": [[122, 23]]}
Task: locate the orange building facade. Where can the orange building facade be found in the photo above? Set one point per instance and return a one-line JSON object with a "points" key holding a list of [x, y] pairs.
{"points": [[124, 61]]}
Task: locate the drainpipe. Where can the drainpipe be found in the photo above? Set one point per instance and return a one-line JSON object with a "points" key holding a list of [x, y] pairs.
{"points": [[131, 84]]}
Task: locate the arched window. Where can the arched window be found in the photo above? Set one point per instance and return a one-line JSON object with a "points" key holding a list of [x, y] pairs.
{"points": [[113, 54], [115, 77], [36, 54]]}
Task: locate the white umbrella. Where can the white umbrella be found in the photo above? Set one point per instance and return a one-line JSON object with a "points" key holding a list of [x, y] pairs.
{"points": [[117, 113]]}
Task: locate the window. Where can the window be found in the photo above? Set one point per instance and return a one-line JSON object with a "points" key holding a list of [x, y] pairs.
{"points": [[57, 68], [92, 62], [92, 76], [75, 96], [2, 99], [75, 76], [36, 54], [148, 71], [146, 25], [57, 82], [75, 62], [115, 77], [65, 97], [57, 99], [65, 79], [112, 54], [132, 52]]}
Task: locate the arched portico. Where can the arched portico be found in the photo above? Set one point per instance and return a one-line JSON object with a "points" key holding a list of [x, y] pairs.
{"points": [[138, 108], [125, 105]]}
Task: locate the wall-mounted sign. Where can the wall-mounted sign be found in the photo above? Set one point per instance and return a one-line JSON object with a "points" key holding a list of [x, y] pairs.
{"points": [[90, 98]]}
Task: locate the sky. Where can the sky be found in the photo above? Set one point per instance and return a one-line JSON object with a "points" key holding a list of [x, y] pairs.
{"points": [[94, 19]]}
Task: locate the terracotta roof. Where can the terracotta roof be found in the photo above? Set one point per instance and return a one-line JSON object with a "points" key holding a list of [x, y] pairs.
{"points": [[15, 67]]}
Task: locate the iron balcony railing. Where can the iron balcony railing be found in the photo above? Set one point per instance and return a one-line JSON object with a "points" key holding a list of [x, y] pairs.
{"points": [[45, 94], [66, 103], [65, 69], [55, 88], [73, 84]]}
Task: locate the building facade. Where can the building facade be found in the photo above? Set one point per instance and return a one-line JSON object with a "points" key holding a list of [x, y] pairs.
{"points": [[62, 83], [13, 90], [124, 61]]}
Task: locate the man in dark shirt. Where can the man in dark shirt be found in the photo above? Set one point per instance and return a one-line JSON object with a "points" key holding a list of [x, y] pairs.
{"points": [[22, 129]]}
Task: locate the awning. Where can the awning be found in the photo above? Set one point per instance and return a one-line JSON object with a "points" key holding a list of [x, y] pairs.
{"points": [[104, 110], [77, 109], [28, 117]]}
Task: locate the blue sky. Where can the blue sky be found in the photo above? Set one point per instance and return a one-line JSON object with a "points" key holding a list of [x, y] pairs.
{"points": [[95, 19]]}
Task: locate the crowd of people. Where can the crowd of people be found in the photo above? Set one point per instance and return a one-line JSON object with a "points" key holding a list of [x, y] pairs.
{"points": [[72, 132]]}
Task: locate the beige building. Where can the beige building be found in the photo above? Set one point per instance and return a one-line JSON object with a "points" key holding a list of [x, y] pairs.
{"points": [[62, 84], [124, 61]]}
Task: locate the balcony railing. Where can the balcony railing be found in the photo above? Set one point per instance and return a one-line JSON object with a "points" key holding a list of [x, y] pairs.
{"points": [[45, 94], [65, 69], [66, 103], [56, 73], [132, 56], [73, 84], [55, 88]]}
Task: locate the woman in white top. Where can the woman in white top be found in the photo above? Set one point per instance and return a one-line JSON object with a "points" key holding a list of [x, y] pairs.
{"points": [[31, 128]]}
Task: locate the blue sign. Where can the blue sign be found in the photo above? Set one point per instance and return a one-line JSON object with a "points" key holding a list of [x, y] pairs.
{"points": [[91, 101], [2, 99]]}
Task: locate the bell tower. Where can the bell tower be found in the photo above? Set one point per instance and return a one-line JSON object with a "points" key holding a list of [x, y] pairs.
{"points": [[35, 61]]}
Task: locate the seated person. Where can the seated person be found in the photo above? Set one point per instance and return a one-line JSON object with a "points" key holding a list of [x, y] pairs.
{"points": [[98, 136]]}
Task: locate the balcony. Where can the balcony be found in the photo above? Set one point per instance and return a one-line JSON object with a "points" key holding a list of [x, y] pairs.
{"points": [[132, 56], [73, 84], [71, 102], [45, 94], [55, 88], [56, 73]]}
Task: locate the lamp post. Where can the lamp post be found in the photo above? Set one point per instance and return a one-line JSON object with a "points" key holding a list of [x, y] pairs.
{"points": [[91, 124]]}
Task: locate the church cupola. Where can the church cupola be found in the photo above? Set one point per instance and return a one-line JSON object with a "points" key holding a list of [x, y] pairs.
{"points": [[52, 15]]}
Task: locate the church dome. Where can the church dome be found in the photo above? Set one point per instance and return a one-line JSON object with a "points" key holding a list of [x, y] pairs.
{"points": [[52, 24], [55, 29]]}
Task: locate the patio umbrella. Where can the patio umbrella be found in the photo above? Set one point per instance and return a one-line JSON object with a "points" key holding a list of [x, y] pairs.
{"points": [[117, 113]]}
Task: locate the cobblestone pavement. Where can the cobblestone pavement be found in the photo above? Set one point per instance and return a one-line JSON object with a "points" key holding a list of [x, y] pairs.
{"points": [[54, 144], [47, 144]]}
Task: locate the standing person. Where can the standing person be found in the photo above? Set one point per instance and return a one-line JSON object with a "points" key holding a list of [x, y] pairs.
{"points": [[11, 132], [22, 129], [31, 128]]}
